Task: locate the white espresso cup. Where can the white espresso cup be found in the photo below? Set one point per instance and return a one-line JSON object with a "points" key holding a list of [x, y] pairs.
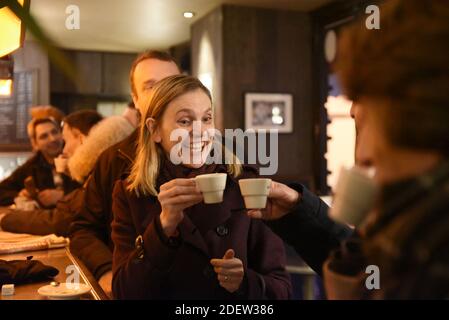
{"points": [[212, 186], [354, 196], [255, 192], [61, 164]]}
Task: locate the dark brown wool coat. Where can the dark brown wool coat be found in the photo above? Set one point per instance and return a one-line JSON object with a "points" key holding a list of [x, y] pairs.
{"points": [[165, 269]]}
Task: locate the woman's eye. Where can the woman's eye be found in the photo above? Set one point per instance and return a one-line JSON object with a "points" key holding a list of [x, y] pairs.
{"points": [[184, 122], [207, 119]]}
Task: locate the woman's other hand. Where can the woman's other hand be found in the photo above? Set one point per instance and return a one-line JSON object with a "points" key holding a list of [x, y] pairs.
{"points": [[229, 271]]}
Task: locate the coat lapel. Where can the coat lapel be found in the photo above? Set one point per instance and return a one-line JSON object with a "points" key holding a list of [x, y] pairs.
{"points": [[191, 235]]}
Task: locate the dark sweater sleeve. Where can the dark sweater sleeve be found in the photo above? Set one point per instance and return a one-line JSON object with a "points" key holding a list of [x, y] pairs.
{"points": [[309, 229], [265, 275], [89, 232], [138, 273], [45, 221], [11, 186], [39, 222]]}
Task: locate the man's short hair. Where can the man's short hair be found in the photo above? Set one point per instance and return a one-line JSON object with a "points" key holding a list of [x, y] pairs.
{"points": [[35, 122], [82, 120], [149, 54], [43, 112]]}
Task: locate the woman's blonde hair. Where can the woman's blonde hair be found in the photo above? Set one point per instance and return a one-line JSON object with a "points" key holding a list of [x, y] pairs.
{"points": [[145, 169]]}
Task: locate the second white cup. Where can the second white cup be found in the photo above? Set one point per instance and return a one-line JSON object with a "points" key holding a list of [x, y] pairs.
{"points": [[255, 192], [61, 164], [212, 186], [354, 197]]}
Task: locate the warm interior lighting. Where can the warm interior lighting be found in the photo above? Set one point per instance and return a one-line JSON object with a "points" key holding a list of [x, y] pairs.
{"points": [[6, 75], [341, 130], [188, 14], [5, 87], [11, 27], [276, 117]]}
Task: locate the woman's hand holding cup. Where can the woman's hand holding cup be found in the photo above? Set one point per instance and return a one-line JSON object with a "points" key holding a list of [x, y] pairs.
{"points": [[175, 196]]}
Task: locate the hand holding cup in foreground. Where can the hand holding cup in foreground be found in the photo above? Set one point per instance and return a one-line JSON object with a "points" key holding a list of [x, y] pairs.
{"points": [[281, 199]]}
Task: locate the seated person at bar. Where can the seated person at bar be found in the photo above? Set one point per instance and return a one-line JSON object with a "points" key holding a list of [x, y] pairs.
{"points": [[47, 142], [90, 233], [81, 150], [400, 85], [168, 244]]}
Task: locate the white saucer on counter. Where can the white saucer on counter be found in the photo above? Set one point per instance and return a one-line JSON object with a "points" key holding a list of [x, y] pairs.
{"points": [[64, 291]]}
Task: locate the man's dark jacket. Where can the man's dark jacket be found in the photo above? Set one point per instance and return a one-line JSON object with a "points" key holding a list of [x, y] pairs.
{"points": [[90, 232], [309, 230], [42, 173]]}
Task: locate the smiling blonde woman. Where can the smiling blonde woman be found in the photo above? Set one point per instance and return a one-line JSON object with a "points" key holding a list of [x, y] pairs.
{"points": [[168, 243]]}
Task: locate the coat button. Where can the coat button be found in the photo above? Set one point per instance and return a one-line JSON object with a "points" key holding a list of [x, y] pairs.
{"points": [[222, 230]]}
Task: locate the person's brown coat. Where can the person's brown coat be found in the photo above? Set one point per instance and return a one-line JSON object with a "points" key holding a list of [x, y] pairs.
{"points": [[161, 268], [90, 231], [46, 221]]}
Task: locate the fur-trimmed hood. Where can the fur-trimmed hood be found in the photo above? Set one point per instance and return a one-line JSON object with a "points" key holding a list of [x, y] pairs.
{"points": [[104, 134]]}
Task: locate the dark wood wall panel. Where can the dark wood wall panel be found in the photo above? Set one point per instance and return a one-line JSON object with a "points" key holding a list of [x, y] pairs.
{"points": [[268, 50], [207, 39]]}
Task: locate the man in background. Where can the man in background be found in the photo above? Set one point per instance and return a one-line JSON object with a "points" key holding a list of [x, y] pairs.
{"points": [[77, 134], [44, 184], [90, 233]]}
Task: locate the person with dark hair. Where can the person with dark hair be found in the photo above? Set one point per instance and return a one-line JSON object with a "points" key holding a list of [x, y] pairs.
{"points": [[90, 233], [76, 127], [48, 186], [398, 78], [82, 120], [86, 135]]}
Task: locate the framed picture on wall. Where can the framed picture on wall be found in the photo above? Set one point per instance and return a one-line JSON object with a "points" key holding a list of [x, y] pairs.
{"points": [[269, 111]]}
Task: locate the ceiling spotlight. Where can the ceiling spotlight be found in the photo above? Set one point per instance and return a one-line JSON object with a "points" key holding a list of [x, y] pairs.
{"points": [[188, 14]]}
